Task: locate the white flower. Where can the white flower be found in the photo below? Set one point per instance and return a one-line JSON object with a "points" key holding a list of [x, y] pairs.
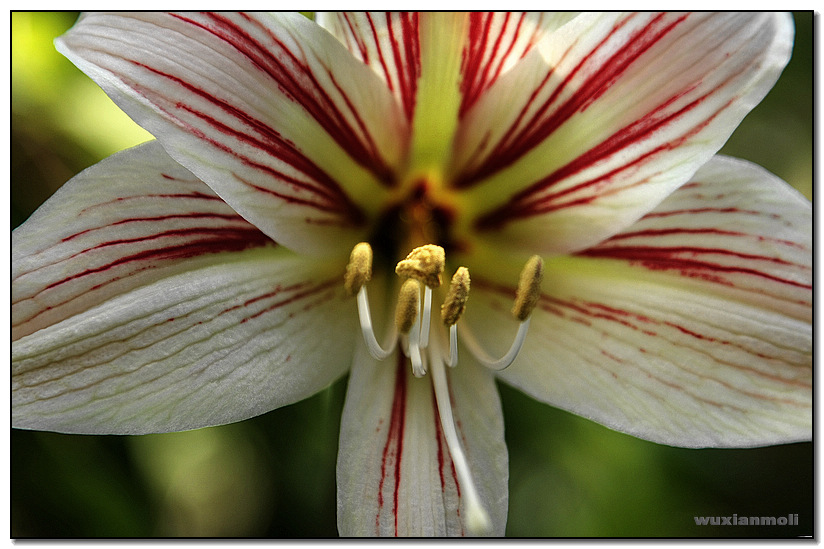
{"points": [[199, 279]]}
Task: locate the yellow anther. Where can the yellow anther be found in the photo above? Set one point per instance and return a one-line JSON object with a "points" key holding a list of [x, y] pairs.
{"points": [[455, 302], [408, 304], [424, 263], [529, 288], [359, 269]]}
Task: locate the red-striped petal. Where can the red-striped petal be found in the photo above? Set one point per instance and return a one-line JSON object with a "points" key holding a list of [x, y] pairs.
{"points": [[733, 229], [395, 474], [389, 42], [496, 42], [141, 302], [219, 343], [606, 117], [268, 109], [130, 220], [691, 328]]}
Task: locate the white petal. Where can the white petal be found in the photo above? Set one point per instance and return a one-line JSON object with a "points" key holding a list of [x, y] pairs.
{"points": [[395, 474], [132, 219], [268, 109], [220, 343], [608, 116], [692, 331]]}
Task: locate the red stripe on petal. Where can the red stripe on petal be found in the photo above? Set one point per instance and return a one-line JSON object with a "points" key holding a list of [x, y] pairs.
{"points": [[205, 216], [408, 60], [355, 218], [393, 449], [627, 319], [634, 321], [702, 210], [703, 230], [195, 195], [381, 58], [440, 440], [304, 87], [359, 48], [276, 291], [474, 69], [310, 291], [671, 259], [495, 41], [200, 241], [287, 295], [401, 66]]}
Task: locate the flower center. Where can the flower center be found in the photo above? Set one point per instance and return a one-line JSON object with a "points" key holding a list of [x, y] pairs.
{"points": [[424, 343], [417, 218]]}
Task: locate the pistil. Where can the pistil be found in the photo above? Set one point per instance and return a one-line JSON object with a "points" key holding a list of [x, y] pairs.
{"points": [[477, 519]]}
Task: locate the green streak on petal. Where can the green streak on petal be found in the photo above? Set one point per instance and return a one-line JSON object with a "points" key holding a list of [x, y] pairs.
{"points": [[438, 97]]}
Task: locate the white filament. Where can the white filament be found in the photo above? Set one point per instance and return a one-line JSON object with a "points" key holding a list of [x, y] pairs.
{"points": [[484, 358], [427, 311], [453, 346], [418, 369], [372, 344]]}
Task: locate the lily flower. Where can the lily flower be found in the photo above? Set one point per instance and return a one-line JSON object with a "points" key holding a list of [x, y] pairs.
{"points": [[319, 191]]}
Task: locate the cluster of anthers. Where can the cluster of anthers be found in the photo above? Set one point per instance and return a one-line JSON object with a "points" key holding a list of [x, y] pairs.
{"points": [[421, 270]]}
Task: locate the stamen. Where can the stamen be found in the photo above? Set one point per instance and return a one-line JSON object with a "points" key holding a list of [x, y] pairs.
{"points": [[477, 519], [408, 322], [455, 302], [453, 307], [424, 263], [372, 344], [407, 309], [359, 269], [526, 298], [358, 273], [529, 288]]}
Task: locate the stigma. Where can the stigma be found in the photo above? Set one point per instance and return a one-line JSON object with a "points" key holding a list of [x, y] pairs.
{"points": [[434, 347]]}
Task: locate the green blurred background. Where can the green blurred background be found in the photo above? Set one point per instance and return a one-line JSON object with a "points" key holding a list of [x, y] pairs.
{"points": [[274, 476]]}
